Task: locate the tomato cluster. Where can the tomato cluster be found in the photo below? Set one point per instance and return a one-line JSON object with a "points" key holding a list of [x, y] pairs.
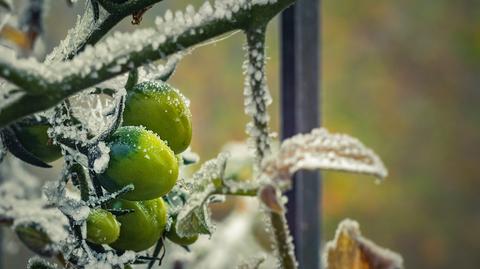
{"points": [[157, 126]]}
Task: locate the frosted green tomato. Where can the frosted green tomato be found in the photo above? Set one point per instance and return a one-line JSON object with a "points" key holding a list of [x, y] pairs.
{"points": [[141, 158], [173, 236], [162, 109], [142, 228], [35, 139], [102, 227]]}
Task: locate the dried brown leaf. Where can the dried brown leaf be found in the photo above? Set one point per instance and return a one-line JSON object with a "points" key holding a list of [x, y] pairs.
{"points": [[349, 250]]}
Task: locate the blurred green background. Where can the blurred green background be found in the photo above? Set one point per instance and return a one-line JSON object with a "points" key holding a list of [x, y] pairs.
{"points": [[403, 77]]}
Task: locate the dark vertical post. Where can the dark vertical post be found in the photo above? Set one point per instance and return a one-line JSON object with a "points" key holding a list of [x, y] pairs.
{"points": [[300, 74]]}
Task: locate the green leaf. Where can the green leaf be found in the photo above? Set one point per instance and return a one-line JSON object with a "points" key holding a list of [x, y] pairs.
{"points": [[195, 221]]}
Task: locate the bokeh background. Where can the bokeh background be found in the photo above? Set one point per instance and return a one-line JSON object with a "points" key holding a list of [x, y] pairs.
{"points": [[403, 77]]}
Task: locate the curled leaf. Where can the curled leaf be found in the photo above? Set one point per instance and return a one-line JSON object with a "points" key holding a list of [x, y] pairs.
{"points": [[320, 149], [350, 250]]}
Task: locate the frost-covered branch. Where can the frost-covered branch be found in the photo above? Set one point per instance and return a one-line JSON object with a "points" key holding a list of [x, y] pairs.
{"points": [[282, 236], [257, 95], [124, 52]]}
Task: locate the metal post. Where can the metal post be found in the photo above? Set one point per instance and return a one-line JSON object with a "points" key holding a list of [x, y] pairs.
{"points": [[300, 75]]}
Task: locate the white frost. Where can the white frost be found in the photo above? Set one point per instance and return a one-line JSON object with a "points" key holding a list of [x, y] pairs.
{"points": [[101, 163]]}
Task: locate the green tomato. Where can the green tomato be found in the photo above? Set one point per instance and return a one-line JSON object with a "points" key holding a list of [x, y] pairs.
{"points": [[162, 109], [35, 139], [141, 158], [173, 236], [102, 227], [142, 228]]}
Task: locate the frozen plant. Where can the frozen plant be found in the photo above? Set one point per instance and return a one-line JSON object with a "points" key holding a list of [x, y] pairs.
{"points": [[79, 105]]}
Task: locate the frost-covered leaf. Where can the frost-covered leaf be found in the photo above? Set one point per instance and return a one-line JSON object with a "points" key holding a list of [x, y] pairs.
{"points": [[195, 221], [320, 149], [194, 217], [350, 250], [11, 141], [34, 236]]}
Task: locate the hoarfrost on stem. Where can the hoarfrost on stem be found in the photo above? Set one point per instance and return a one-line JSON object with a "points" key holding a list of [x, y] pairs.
{"points": [[256, 94]]}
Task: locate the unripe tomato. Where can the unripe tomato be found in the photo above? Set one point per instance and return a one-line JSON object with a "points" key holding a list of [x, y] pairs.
{"points": [[173, 236], [141, 158], [102, 227], [35, 139], [164, 110], [142, 228]]}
